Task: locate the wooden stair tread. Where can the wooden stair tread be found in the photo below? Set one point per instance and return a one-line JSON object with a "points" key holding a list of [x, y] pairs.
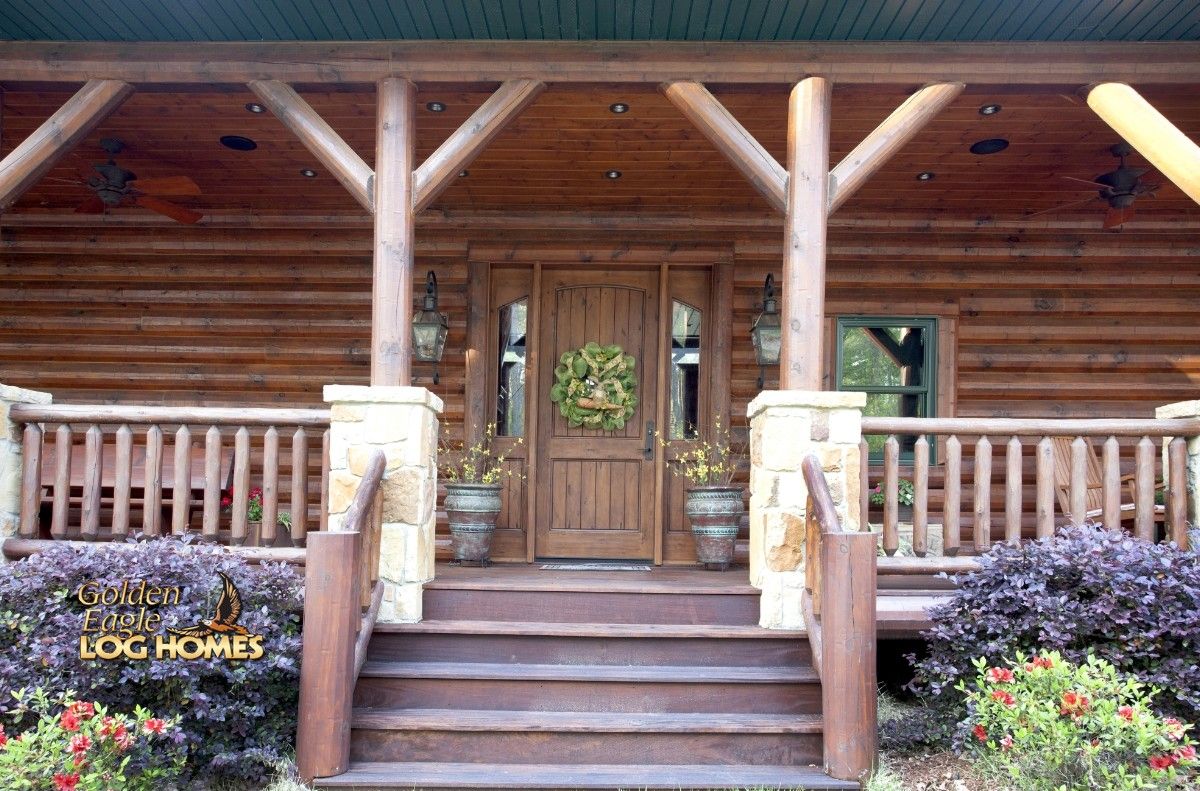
{"points": [[367, 775], [588, 582], [580, 721], [661, 674], [567, 629]]}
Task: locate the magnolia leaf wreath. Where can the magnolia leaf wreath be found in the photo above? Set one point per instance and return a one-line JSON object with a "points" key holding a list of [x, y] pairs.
{"points": [[594, 387]]}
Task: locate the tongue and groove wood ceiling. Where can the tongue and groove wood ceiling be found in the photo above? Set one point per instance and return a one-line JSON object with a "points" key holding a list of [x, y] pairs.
{"points": [[554, 157]]}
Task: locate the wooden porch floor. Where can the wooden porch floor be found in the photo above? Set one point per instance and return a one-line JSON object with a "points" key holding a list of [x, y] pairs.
{"points": [[902, 603]]}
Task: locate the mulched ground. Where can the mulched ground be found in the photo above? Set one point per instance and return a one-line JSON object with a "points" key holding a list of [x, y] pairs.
{"points": [[937, 772]]}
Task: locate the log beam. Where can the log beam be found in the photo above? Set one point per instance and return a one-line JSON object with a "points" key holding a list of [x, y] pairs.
{"points": [[1146, 129], [30, 160], [731, 138], [391, 285], [803, 285], [888, 138], [318, 137], [466, 143]]}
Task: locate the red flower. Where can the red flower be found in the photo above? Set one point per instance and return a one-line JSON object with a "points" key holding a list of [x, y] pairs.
{"points": [[999, 675], [83, 709], [153, 725], [79, 744], [64, 782], [980, 733], [1125, 713], [1075, 704], [1004, 697], [226, 500], [255, 493], [1161, 762], [1006, 743], [1186, 753], [69, 721], [1173, 727], [3, 738], [1043, 662]]}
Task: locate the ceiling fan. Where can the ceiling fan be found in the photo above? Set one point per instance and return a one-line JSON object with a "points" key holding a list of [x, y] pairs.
{"points": [[1119, 188], [113, 186]]}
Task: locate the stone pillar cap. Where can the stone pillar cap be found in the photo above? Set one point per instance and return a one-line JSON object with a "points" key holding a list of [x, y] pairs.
{"points": [[382, 394], [1178, 409], [806, 399], [19, 395]]}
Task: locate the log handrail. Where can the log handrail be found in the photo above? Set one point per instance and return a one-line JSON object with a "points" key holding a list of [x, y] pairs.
{"points": [[105, 414], [839, 612], [342, 595], [1031, 427]]}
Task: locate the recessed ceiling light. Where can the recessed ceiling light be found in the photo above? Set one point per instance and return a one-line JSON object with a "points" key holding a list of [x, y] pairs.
{"points": [[462, 174], [255, 107], [926, 175], [612, 174], [992, 145], [238, 143], [435, 107], [989, 109], [308, 173], [618, 108]]}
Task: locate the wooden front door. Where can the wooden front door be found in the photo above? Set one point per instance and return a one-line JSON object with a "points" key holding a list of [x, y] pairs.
{"points": [[596, 489]]}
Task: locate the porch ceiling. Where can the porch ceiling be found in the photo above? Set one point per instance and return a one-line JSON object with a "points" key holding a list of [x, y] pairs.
{"points": [[555, 155], [584, 20]]}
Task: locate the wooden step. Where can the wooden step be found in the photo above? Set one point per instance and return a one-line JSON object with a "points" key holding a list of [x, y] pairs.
{"points": [[586, 737], [581, 604], [579, 687], [376, 776]]}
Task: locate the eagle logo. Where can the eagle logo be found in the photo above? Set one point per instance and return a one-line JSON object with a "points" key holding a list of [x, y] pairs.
{"points": [[224, 620]]}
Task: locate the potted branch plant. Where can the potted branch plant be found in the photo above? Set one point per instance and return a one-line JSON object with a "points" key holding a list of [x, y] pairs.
{"points": [[474, 477], [254, 515], [713, 503]]}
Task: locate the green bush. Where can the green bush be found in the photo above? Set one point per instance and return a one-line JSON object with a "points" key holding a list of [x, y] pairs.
{"points": [[1045, 724]]}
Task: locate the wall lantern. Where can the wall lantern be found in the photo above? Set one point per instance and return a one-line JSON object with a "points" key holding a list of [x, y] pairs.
{"points": [[767, 332], [429, 328]]}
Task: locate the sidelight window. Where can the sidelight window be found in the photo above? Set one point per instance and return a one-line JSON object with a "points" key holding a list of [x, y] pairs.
{"points": [[510, 379], [685, 372]]}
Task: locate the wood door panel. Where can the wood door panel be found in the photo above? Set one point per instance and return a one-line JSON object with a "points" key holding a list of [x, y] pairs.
{"points": [[597, 499]]}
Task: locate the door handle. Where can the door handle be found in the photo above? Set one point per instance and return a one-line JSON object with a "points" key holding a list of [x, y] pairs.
{"points": [[648, 450]]}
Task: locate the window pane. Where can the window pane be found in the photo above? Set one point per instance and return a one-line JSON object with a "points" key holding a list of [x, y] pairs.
{"points": [[510, 394], [894, 405], [883, 356], [685, 372]]}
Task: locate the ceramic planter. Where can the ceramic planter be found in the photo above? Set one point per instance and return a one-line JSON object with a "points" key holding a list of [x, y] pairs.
{"points": [[471, 510], [715, 513]]}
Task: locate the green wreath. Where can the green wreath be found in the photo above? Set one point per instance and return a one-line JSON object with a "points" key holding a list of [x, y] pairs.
{"points": [[595, 387]]}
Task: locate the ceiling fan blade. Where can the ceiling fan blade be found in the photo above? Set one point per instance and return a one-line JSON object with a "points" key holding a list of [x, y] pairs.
{"points": [[1114, 217], [91, 205], [167, 209], [1063, 206], [168, 185], [1087, 181]]}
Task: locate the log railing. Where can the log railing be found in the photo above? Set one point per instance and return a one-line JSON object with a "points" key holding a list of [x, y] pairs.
{"points": [[1023, 478], [839, 612], [342, 594], [176, 465]]}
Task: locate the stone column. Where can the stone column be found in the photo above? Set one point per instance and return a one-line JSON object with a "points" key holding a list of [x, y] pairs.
{"points": [[785, 426], [403, 423], [10, 457], [1186, 409]]}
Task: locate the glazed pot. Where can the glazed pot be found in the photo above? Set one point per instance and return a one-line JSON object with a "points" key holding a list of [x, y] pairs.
{"points": [[471, 510], [715, 513]]}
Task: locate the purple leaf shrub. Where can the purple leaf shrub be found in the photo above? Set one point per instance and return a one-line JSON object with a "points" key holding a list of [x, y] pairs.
{"points": [[237, 719]]}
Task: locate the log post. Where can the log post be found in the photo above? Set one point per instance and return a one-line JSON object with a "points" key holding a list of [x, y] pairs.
{"points": [[804, 230], [12, 460], [331, 616], [1146, 129], [1189, 487], [391, 288]]}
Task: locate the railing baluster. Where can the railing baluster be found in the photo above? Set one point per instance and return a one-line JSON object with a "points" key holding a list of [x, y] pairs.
{"points": [[920, 506], [864, 483], [324, 521], [1013, 491], [241, 485], [62, 481], [1078, 492], [31, 481], [181, 493], [1045, 488], [1176, 498], [152, 502], [270, 487], [211, 521], [122, 481], [1143, 520], [1112, 485], [93, 480], [891, 482], [952, 503], [299, 502], [983, 494]]}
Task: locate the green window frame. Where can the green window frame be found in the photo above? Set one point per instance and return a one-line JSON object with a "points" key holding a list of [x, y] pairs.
{"points": [[925, 392]]}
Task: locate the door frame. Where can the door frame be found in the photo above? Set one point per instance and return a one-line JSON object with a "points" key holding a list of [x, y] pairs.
{"points": [[478, 398]]}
